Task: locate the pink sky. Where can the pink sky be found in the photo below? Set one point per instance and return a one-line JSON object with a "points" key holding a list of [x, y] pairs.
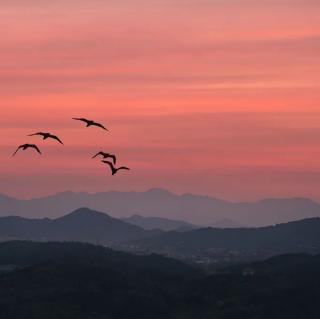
{"points": [[210, 96]]}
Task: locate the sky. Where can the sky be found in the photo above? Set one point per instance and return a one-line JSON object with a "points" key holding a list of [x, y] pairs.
{"points": [[215, 97]]}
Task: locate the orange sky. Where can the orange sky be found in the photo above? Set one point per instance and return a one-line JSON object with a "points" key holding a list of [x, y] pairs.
{"points": [[206, 96]]}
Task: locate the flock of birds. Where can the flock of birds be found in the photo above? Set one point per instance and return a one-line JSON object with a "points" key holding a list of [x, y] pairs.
{"points": [[88, 123]]}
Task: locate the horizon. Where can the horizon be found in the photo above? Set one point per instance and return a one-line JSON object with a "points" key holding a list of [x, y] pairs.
{"points": [[165, 190]]}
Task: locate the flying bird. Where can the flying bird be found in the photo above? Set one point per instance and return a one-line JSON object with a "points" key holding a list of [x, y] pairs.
{"points": [[106, 155], [26, 146], [47, 135], [90, 123], [114, 170]]}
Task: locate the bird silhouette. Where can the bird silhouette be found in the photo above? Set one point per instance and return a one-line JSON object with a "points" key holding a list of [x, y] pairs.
{"points": [[47, 135], [90, 123], [107, 155], [26, 146], [114, 170]]}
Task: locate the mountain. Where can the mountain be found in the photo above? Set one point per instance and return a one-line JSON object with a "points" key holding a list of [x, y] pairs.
{"points": [[164, 224], [225, 223], [73, 280], [26, 253], [297, 236], [209, 245], [194, 209], [83, 225]]}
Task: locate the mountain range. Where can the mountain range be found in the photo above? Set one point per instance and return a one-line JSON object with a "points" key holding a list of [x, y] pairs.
{"points": [[194, 209], [76, 280], [165, 224], [292, 237], [86, 225], [82, 225]]}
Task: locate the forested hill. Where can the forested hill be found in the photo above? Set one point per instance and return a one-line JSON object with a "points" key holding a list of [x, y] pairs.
{"points": [[72, 280]]}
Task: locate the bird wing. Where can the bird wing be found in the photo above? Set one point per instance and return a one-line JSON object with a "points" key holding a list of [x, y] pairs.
{"points": [[100, 125], [80, 119], [17, 150], [99, 153], [110, 164], [39, 133], [114, 158], [35, 147], [124, 167], [56, 138]]}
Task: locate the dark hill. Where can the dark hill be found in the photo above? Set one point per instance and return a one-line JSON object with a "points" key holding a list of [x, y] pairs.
{"points": [[26, 253], [72, 280], [81, 225], [298, 236]]}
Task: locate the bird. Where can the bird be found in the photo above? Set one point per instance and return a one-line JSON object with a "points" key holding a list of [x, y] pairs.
{"points": [[26, 146], [90, 123], [114, 170], [47, 135], [106, 155]]}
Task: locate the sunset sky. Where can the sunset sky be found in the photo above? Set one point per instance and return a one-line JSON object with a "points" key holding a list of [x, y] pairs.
{"points": [[215, 97]]}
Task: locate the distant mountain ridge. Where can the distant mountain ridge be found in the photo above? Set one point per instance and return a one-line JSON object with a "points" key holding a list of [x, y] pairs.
{"points": [[194, 209], [164, 224], [86, 225], [292, 237], [226, 223], [83, 225]]}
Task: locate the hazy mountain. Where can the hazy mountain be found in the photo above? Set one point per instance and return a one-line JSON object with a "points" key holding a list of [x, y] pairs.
{"points": [[193, 209], [298, 236], [82, 225], [225, 223], [165, 224]]}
